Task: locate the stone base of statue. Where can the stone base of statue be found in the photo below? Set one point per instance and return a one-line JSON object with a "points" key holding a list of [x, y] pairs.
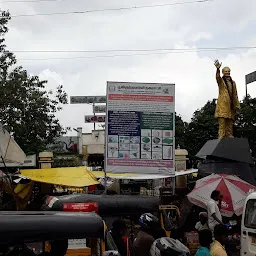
{"points": [[227, 156]]}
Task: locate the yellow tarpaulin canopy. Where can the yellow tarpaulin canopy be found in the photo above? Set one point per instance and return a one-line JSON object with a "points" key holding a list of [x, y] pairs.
{"points": [[82, 177], [68, 176]]}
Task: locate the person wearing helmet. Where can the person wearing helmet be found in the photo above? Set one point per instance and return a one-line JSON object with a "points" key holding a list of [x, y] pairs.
{"points": [[144, 240], [111, 253], [167, 246]]}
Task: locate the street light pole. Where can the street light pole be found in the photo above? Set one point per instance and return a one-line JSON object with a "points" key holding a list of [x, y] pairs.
{"points": [[94, 125]]}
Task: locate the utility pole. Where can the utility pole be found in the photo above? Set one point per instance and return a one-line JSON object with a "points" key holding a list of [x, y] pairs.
{"points": [[94, 124]]}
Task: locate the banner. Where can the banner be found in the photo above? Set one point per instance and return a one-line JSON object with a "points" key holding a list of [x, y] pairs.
{"points": [[30, 161], [95, 119], [140, 128], [99, 109], [65, 144]]}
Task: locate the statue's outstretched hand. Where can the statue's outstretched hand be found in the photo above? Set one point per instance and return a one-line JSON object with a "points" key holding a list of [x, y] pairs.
{"points": [[217, 64]]}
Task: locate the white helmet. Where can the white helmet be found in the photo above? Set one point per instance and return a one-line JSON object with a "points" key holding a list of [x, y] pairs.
{"points": [[168, 246], [111, 253], [148, 221]]}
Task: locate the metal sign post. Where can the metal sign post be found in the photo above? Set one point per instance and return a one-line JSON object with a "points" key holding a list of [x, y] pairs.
{"points": [[90, 100]]}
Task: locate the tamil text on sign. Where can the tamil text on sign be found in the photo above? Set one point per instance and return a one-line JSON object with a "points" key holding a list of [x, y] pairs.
{"points": [[87, 99], [95, 119], [99, 109], [140, 128]]}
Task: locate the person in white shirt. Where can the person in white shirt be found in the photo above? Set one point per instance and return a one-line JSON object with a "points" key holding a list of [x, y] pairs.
{"points": [[203, 222], [214, 216]]}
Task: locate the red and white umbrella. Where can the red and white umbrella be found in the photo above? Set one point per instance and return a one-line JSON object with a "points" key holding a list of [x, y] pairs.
{"points": [[233, 189]]}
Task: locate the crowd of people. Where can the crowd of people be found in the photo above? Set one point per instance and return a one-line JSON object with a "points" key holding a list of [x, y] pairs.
{"points": [[151, 240]]}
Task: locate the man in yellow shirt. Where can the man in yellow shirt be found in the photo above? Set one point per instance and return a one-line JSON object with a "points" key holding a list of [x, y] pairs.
{"points": [[221, 237]]}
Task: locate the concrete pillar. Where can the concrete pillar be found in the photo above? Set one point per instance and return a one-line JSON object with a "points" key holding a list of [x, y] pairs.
{"points": [[45, 162], [80, 140], [180, 165], [85, 155]]}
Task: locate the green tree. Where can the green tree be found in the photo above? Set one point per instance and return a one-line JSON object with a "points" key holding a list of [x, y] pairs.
{"points": [[72, 161], [27, 109], [202, 127], [180, 129], [245, 124]]}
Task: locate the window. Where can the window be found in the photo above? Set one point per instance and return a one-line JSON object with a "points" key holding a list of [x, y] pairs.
{"points": [[250, 214]]}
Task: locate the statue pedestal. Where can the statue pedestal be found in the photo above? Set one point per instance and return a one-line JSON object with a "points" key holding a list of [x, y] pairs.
{"points": [[227, 156]]}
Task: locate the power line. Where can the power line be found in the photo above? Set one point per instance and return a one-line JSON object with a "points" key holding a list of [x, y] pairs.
{"points": [[29, 1], [112, 9], [135, 50], [140, 54]]}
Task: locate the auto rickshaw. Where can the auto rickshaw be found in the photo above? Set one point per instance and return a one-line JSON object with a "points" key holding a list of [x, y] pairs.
{"points": [[29, 233], [111, 206]]}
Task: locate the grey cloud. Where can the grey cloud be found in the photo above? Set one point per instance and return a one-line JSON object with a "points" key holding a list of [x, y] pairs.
{"points": [[164, 27]]}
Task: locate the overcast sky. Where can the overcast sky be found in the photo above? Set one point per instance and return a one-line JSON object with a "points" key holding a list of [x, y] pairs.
{"points": [[229, 23]]}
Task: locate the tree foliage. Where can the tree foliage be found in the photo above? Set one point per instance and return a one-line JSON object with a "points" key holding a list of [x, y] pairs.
{"points": [[202, 127], [27, 109], [245, 125], [180, 129]]}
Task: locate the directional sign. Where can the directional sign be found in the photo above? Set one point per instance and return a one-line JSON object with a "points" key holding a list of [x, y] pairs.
{"points": [[87, 99], [95, 119], [99, 109], [250, 78]]}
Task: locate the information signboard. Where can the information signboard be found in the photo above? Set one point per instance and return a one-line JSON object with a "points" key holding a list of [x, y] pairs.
{"points": [[140, 128]]}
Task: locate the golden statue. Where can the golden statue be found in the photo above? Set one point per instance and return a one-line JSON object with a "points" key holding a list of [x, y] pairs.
{"points": [[228, 104]]}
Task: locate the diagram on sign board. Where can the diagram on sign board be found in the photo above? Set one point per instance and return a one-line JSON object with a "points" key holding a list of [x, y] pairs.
{"points": [[152, 144]]}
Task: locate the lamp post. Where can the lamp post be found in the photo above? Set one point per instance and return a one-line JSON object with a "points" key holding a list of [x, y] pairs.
{"points": [[249, 78]]}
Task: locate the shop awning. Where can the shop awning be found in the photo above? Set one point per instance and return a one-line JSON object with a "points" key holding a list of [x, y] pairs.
{"points": [[69, 176], [82, 177]]}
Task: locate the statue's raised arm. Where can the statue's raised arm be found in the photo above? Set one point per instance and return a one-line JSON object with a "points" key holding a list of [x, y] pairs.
{"points": [[217, 65]]}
